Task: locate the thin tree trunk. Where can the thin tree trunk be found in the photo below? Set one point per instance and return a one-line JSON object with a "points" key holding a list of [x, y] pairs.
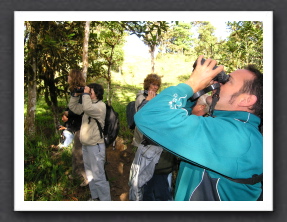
{"points": [[109, 75], [29, 126], [152, 49], [53, 97], [85, 49]]}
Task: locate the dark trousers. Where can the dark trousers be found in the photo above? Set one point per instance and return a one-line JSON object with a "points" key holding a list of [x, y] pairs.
{"points": [[157, 189]]}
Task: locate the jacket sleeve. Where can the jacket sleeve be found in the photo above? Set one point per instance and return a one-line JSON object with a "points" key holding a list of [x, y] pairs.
{"points": [[75, 106]]}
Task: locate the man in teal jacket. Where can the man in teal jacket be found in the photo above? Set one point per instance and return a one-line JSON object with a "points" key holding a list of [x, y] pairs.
{"points": [[228, 143]]}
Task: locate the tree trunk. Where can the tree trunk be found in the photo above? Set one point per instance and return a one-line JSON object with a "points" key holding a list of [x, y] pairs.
{"points": [[29, 126], [152, 49], [54, 100], [109, 75], [109, 85], [85, 49]]}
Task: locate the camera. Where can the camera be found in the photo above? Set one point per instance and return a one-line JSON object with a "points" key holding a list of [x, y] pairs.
{"points": [[79, 89], [221, 77]]}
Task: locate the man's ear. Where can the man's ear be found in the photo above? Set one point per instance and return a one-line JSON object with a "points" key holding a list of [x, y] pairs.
{"points": [[247, 100]]}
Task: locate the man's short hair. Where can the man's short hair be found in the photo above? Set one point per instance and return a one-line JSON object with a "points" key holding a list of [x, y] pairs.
{"points": [[98, 89], [255, 87]]}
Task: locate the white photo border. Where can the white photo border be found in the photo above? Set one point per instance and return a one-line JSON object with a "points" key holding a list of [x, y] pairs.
{"points": [[265, 16]]}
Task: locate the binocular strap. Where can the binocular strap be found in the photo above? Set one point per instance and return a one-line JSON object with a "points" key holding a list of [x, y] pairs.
{"points": [[215, 98]]}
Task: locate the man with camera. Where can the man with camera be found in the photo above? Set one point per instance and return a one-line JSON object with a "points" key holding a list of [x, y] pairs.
{"points": [[93, 145], [222, 153]]}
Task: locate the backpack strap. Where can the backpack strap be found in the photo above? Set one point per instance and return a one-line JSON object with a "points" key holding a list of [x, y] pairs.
{"points": [[98, 123], [99, 126], [251, 181]]}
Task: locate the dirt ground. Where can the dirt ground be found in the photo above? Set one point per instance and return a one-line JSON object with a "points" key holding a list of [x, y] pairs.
{"points": [[119, 160]]}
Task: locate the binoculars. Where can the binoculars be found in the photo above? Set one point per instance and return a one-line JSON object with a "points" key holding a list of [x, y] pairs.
{"points": [[221, 78]]}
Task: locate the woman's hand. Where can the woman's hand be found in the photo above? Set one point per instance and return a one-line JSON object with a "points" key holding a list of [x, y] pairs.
{"points": [[151, 94]]}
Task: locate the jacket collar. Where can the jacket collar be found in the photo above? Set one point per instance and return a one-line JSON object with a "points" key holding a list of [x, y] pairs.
{"points": [[242, 116]]}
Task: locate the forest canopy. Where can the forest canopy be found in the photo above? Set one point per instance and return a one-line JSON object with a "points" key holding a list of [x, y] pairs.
{"points": [[52, 48]]}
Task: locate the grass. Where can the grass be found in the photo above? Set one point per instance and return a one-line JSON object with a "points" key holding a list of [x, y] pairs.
{"points": [[46, 171]]}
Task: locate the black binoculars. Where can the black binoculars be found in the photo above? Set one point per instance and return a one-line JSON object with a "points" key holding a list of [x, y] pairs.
{"points": [[221, 78]]}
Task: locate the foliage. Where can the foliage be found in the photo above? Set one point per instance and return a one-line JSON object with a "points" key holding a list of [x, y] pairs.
{"points": [[177, 39], [206, 41], [58, 47], [109, 52], [244, 45]]}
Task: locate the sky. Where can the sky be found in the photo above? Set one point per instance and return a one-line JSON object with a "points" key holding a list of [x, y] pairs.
{"points": [[135, 47]]}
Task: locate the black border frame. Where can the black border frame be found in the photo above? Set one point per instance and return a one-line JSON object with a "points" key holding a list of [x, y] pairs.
{"points": [[7, 8]]}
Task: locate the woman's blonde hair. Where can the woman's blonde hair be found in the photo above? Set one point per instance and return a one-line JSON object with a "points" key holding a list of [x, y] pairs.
{"points": [[76, 79]]}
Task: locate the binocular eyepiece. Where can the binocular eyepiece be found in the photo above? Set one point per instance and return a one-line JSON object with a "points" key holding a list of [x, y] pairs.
{"points": [[220, 78]]}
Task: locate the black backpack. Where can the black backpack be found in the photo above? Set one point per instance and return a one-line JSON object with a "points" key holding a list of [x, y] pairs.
{"points": [[130, 112], [112, 126]]}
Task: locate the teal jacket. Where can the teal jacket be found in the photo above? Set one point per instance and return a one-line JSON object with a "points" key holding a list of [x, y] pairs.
{"points": [[229, 143]]}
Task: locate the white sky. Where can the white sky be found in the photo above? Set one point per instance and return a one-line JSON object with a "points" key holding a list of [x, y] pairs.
{"points": [[135, 47]]}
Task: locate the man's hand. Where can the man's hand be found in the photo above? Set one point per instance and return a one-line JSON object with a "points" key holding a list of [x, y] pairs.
{"points": [[87, 89], [203, 74]]}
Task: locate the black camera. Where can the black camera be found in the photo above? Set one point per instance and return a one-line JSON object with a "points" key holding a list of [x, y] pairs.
{"points": [[221, 78], [79, 89]]}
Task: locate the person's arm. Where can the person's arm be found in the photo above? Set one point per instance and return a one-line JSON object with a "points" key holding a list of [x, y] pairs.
{"points": [[75, 106], [62, 127], [165, 121]]}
